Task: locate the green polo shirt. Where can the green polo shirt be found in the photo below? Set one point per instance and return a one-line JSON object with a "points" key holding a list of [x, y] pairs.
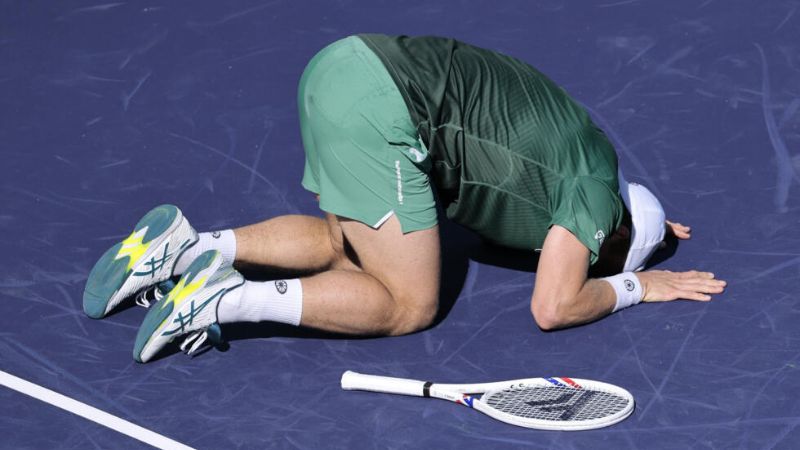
{"points": [[512, 154]]}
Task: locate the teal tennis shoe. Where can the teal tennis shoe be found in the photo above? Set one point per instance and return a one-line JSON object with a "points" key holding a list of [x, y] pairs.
{"points": [[145, 258], [190, 308]]}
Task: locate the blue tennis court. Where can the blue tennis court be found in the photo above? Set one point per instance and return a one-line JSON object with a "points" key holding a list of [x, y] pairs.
{"points": [[109, 109]]}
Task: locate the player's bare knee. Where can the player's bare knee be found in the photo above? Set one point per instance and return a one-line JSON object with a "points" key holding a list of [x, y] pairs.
{"points": [[411, 317], [410, 321]]}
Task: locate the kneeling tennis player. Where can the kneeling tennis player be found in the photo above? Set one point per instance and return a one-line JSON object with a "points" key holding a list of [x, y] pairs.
{"points": [[386, 122]]}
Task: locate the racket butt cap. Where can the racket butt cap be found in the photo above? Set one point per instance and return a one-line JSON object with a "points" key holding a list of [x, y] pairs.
{"points": [[348, 379]]}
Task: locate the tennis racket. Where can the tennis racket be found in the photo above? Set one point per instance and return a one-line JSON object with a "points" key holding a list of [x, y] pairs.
{"points": [[568, 404]]}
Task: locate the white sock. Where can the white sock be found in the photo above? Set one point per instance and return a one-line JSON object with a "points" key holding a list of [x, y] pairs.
{"points": [[223, 241], [257, 301]]}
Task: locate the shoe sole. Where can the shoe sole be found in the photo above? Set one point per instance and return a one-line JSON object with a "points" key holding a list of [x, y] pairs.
{"points": [[115, 278]]}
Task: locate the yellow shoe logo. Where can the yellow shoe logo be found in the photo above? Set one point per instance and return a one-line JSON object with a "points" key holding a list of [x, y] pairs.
{"points": [[182, 290], [179, 293], [133, 248]]}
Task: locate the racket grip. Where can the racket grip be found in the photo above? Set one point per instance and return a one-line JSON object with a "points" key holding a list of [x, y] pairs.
{"points": [[374, 383]]}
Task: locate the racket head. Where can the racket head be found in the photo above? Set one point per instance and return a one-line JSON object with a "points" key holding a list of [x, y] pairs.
{"points": [[567, 404]]}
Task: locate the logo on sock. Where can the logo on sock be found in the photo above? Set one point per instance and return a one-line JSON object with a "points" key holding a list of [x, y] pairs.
{"points": [[281, 286], [216, 234]]}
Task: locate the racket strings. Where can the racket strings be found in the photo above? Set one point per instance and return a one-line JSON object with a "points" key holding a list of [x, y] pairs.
{"points": [[556, 403]]}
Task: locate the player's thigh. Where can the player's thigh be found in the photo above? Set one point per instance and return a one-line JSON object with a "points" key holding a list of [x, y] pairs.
{"points": [[344, 256], [408, 264]]}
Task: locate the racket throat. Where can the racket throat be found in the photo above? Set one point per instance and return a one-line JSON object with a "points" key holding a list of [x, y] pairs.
{"points": [[456, 397], [466, 400]]}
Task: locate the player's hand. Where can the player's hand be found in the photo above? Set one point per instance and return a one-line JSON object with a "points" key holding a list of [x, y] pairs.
{"points": [[663, 285], [678, 230]]}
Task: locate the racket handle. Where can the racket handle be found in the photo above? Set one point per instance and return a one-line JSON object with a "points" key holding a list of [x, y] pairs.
{"points": [[374, 383]]}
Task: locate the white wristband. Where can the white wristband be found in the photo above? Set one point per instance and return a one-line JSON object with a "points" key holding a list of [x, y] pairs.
{"points": [[628, 288]]}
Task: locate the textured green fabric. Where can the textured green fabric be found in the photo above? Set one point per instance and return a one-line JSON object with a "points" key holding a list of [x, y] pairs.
{"points": [[512, 153], [363, 154]]}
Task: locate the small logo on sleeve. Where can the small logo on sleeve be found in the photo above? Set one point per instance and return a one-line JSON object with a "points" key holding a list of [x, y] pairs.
{"points": [[216, 234], [281, 286], [418, 155], [600, 236]]}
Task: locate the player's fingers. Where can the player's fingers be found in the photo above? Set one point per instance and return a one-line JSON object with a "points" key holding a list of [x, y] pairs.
{"points": [[705, 286], [715, 287], [695, 274], [692, 295], [688, 275], [683, 233], [679, 230], [701, 279], [679, 226]]}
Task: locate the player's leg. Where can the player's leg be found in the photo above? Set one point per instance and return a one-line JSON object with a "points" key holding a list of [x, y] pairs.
{"points": [[395, 292], [290, 243], [364, 161], [388, 285], [393, 289]]}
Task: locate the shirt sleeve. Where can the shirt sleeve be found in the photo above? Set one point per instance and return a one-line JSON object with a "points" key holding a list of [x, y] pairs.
{"points": [[591, 209]]}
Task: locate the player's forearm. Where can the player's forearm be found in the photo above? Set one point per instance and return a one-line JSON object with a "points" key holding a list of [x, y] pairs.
{"points": [[595, 299]]}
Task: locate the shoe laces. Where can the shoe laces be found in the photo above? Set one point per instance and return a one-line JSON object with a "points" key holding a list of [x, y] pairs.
{"points": [[154, 293], [195, 340]]}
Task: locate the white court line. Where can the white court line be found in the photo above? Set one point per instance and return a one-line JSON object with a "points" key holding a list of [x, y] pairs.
{"points": [[89, 412]]}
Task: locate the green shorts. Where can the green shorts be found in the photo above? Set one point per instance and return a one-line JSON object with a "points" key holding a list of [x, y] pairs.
{"points": [[364, 157]]}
